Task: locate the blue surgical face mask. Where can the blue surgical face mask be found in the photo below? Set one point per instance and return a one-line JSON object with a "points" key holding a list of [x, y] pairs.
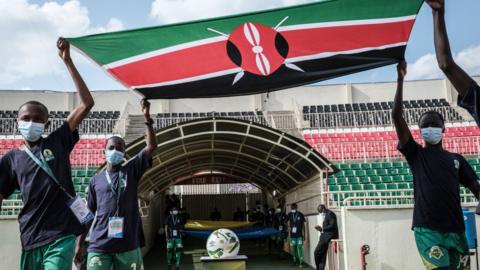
{"points": [[114, 157], [31, 131], [175, 212], [294, 210], [432, 135]]}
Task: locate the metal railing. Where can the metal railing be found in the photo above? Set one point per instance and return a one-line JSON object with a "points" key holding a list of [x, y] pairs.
{"points": [[387, 149], [383, 198], [8, 126], [373, 118]]}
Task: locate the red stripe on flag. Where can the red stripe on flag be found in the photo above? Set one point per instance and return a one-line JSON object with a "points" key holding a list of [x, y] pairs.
{"points": [[211, 58], [344, 38], [186, 63]]}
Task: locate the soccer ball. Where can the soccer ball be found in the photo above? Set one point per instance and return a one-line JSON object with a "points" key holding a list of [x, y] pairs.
{"points": [[223, 243]]}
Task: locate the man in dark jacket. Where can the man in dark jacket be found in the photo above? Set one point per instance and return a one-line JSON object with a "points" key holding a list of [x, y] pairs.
{"points": [[327, 226]]}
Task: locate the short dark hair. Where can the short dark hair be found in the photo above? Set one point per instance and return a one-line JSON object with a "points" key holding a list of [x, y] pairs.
{"points": [[114, 138], [432, 112], [293, 205], [35, 103]]}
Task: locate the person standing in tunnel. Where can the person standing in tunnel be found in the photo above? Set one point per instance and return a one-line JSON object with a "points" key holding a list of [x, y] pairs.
{"points": [[215, 215], [279, 224], [239, 215], [296, 224], [327, 226], [173, 232], [117, 234]]}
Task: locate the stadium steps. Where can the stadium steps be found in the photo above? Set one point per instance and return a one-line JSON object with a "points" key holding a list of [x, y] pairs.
{"points": [[135, 128]]}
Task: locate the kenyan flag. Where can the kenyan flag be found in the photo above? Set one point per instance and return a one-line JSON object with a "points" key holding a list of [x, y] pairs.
{"points": [[256, 52]]}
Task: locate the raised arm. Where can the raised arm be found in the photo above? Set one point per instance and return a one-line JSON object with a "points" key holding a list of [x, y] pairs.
{"points": [[403, 132], [457, 76], [151, 139], [86, 104]]}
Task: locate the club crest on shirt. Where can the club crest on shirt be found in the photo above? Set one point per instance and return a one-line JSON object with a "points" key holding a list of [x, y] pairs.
{"points": [[48, 154], [456, 163], [436, 253]]}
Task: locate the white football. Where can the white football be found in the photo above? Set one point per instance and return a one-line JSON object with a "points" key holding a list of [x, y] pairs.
{"points": [[223, 243]]}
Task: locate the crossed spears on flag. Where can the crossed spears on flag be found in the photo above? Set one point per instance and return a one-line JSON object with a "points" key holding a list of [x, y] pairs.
{"points": [[263, 64]]}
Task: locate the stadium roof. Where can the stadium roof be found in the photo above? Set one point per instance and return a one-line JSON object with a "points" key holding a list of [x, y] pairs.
{"points": [[244, 150]]}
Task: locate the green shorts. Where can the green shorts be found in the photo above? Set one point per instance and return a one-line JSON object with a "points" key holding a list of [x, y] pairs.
{"points": [[296, 241], [130, 260], [174, 243], [57, 255], [442, 249]]}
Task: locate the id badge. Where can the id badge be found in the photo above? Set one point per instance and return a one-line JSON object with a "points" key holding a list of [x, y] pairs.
{"points": [[294, 229], [175, 233], [280, 228], [80, 210], [115, 227]]}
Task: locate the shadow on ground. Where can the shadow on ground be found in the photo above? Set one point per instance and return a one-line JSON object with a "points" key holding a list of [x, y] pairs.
{"points": [[258, 256]]}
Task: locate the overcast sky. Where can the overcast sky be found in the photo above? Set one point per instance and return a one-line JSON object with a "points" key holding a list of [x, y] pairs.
{"points": [[29, 28]]}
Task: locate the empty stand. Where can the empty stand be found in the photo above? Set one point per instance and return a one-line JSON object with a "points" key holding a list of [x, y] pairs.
{"points": [[373, 114], [383, 144], [98, 122]]}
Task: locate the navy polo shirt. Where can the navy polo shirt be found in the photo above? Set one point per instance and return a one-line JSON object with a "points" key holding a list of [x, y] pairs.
{"points": [[45, 216], [174, 222], [296, 220], [279, 220], [437, 175], [103, 202], [471, 102]]}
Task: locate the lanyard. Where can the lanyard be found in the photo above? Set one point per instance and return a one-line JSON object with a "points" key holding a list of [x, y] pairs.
{"points": [[117, 190], [44, 165], [295, 218], [174, 220]]}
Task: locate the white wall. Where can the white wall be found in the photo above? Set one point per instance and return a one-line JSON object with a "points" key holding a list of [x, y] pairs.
{"points": [[10, 247], [387, 232]]}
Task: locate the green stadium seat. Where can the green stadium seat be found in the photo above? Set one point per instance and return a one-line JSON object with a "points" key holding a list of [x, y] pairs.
{"points": [[368, 187], [332, 181], [392, 171], [77, 180], [360, 173], [365, 166], [403, 186], [341, 181], [343, 166], [364, 180], [345, 188], [381, 172], [80, 173], [355, 166], [91, 173], [371, 172], [348, 173], [408, 178], [386, 165], [357, 187], [410, 185], [397, 178], [380, 186], [375, 179], [387, 179], [397, 165], [353, 180], [473, 161], [403, 171], [333, 188], [478, 175], [392, 186]]}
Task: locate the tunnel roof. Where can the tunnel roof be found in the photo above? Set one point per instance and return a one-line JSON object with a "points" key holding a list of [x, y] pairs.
{"points": [[254, 153]]}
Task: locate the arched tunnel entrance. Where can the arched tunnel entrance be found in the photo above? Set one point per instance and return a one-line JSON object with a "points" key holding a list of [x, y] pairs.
{"points": [[278, 164]]}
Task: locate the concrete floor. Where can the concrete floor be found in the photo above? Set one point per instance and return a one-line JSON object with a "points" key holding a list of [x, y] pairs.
{"points": [[258, 257]]}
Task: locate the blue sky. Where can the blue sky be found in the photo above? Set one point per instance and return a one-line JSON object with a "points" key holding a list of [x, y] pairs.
{"points": [[29, 55]]}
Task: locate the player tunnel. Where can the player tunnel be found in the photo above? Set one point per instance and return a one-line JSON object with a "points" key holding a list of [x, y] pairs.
{"points": [[279, 164]]}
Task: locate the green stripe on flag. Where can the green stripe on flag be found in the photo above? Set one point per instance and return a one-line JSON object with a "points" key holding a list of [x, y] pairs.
{"points": [[110, 47]]}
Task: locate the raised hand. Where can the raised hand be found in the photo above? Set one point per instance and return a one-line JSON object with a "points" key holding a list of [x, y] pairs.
{"points": [[64, 49], [145, 107], [436, 5], [402, 69]]}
